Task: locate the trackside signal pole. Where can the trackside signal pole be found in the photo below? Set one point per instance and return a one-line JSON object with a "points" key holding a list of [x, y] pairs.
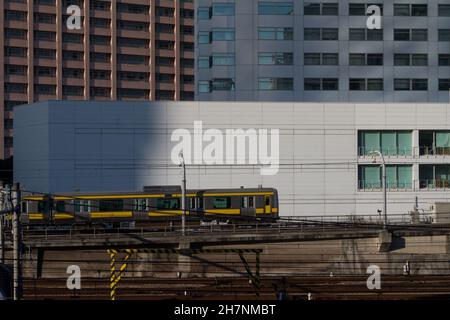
{"points": [[183, 195], [16, 241]]}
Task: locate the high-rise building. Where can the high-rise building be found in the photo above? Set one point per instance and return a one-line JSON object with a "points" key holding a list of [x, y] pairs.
{"points": [[323, 51], [125, 50]]}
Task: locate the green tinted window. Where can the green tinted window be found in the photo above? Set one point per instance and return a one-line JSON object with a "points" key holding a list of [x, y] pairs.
{"points": [[168, 204], [222, 203], [110, 205]]}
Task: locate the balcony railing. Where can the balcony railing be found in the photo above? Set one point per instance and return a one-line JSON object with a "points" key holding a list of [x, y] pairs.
{"points": [[422, 151], [365, 185], [416, 185]]}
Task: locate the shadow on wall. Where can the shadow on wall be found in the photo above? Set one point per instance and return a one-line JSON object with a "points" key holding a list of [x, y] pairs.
{"points": [[5, 282]]}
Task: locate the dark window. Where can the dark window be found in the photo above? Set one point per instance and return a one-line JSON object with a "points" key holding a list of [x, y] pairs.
{"points": [[110, 205], [222, 203], [168, 204]]}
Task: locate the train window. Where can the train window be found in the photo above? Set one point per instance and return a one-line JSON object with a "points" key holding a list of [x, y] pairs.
{"points": [[76, 205], [200, 202], [24, 207], [42, 207], [192, 203], [247, 202], [140, 204], [110, 205], [60, 206], [267, 201], [85, 206], [222, 203], [166, 204], [80, 205]]}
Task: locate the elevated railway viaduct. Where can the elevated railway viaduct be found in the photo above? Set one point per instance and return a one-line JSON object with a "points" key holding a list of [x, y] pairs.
{"points": [[294, 261]]}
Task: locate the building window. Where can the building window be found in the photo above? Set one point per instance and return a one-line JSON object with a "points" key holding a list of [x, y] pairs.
{"points": [[275, 58], [444, 35], [133, 8], [223, 59], [321, 34], [44, 71], [100, 57], [397, 177], [73, 73], [72, 37], [434, 143], [73, 91], [278, 84], [204, 13], [361, 34], [410, 84], [204, 37], [415, 10], [357, 84], [101, 40], [204, 87], [444, 84], [360, 9], [11, 15], [44, 35], [11, 33], [45, 89], [223, 9], [321, 9], [363, 59], [132, 42], [133, 59], [275, 33], [410, 59], [204, 62], [222, 34], [326, 59], [100, 92], [73, 55], [434, 176], [15, 52], [15, 70], [132, 25], [225, 84], [444, 10], [326, 84], [275, 8], [444, 60], [16, 87], [133, 76], [390, 143], [410, 34], [44, 18], [44, 53], [132, 93]]}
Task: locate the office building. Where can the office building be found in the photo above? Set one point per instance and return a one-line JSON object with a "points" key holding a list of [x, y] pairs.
{"points": [[321, 157], [323, 51]]}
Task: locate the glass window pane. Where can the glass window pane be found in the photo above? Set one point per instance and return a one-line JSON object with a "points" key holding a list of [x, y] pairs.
{"points": [[404, 176], [401, 59], [223, 9], [312, 9], [203, 14], [420, 84], [375, 35], [312, 34], [401, 34], [330, 59], [371, 141], [357, 9], [444, 10], [330, 34], [419, 60], [312, 59], [330, 84], [330, 9], [275, 8], [371, 176], [401, 9], [401, 84], [357, 84], [389, 142], [404, 143], [357, 59], [391, 177], [357, 34], [375, 84], [444, 35], [419, 35], [312, 84]]}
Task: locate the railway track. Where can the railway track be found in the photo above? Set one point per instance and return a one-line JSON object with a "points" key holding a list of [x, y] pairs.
{"points": [[239, 288]]}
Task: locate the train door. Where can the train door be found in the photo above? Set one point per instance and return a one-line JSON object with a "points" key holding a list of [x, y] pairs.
{"points": [[267, 204]]}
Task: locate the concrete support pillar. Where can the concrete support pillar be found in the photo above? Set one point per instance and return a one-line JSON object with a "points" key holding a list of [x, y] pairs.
{"points": [[184, 261], [384, 241]]}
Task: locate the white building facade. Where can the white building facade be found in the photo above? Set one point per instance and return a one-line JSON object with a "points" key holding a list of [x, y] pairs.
{"points": [[319, 156]]}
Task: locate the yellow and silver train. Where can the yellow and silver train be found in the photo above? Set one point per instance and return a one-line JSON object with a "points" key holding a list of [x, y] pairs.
{"points": [[154, 203]]}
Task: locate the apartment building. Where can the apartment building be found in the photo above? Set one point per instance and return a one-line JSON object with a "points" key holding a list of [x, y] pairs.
{"points": [[125, 50], [323, 51]]}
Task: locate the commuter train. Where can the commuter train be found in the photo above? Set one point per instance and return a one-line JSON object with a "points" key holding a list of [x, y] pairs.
{"points": [[153, 204]]}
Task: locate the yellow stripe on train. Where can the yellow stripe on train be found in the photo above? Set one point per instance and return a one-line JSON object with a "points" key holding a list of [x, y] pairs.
{"points": [[106, 215]]}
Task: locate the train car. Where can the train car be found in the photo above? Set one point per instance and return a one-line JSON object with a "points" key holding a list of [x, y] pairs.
{"points": [[152, 204]]}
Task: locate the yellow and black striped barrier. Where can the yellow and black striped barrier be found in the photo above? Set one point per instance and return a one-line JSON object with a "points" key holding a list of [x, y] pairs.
{"points": [[116, 275]]}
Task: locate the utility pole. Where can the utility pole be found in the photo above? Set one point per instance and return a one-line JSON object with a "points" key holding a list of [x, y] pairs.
{"points": [[16, 241], [183, 195], [384, 182]]}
